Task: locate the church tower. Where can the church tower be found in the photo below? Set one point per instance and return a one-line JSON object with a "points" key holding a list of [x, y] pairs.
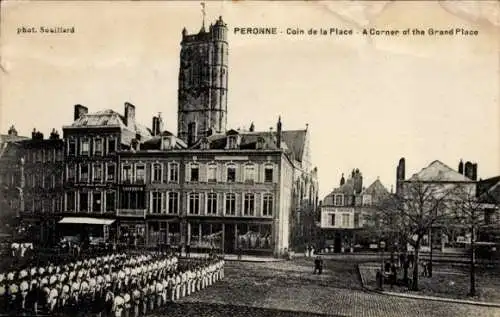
{"points": [[202, 94]]}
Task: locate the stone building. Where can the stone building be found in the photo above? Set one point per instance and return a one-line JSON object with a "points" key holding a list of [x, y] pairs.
{"points": [[345, 211], [209, 186], [203, 78], [91, 167], [31, 182]]}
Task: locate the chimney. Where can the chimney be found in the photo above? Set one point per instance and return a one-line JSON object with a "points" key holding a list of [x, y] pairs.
{"points": [[342, 180], [400, 176], [154, 128], [468, 169], [33, 134], [461, 167], [12, 131], [129, 115], [160, 123], [474, 172], [278, 131], [54, 135], [252, 127], [80, 111]]}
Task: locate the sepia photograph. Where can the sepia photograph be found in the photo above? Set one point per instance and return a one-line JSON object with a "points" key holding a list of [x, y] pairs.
{"points": [[250, 158]]}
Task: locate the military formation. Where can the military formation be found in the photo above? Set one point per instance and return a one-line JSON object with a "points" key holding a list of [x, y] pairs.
{"points": [[112, 285]]}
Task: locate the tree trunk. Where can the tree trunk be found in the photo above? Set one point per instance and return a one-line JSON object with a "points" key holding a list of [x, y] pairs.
{"points": [[414, 286], [429, 268], [472, 291]]}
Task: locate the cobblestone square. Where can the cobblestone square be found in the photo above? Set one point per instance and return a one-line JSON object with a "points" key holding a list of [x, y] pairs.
{"points": [[290, 287]]}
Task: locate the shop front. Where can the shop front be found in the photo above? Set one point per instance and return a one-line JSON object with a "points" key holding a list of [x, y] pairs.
{"points": [[230, 236], [164, 232]]}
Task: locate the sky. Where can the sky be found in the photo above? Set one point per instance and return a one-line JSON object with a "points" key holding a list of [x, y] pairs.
{"points": [[368, 100]]}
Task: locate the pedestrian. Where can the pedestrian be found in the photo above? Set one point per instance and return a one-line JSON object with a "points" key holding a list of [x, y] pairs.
{"points": [[188, 250], [318, 265]]}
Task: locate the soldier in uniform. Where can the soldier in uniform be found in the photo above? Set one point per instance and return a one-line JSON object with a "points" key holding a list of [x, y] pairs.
{"points": [[118, 303], [24, 288], [3, 294]]}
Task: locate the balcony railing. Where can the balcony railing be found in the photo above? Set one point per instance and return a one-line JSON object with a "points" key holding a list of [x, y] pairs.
{"points": [[131, 213]]}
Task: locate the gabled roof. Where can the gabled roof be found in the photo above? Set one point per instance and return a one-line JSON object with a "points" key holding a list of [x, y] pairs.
{"points": [[439, 172], [248, 140], [376, 189]]}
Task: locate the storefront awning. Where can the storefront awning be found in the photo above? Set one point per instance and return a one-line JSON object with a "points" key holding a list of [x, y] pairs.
{"points": [[87, 220]]}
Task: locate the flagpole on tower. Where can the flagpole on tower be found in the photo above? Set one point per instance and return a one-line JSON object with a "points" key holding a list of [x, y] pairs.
{"points": [[203, 13]]}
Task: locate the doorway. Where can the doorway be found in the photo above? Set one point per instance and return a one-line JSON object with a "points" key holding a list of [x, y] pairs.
{"points": [[229, 238]]}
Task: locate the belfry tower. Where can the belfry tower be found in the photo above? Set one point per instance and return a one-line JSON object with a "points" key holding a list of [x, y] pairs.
{"points": [[202, 94]]}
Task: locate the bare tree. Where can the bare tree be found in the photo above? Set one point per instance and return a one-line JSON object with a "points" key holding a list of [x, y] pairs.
{"points": [[469, 214]]}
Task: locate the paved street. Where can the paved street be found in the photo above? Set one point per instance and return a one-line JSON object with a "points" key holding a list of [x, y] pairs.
{"points": [[263, 289]]}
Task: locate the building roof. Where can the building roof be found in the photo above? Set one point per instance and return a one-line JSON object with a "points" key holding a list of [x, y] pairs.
{"points": [[437, 171], [376, 189], [111, 118], [155, 142], [488, 190]]}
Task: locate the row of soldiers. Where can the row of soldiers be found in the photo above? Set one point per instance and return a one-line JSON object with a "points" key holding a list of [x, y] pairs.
{"points": [[111, 285]]}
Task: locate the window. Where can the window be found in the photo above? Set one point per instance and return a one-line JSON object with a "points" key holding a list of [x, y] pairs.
{"points": [[194, 173], [156, 173], [59, 155], [133, 200], [339, 200], [84, 202], [96, 202], [49, 155], [173, 203], [111, 146], [156, 202], [345, 220], [84, 173], [110, 172], [249, 205], [173, 172], [231, 174], [268, 174], [140, 174], [249, 173], [232, 142], [98, 147], [84, 150], [212, 173], [97, 173], [212, 204], [194, 204], [57, 204], [367, 200], [47, 182], [332, 220], [230, 204], [110, 201], [70, 201], [356, 220], [39, 155], [267, 208], [71, 147], [127, 173]]}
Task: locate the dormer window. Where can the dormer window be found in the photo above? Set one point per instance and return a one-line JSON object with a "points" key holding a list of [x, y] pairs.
{"points": [[232, 142], [339, 200], [167, 142], [205, 145], [260, 143]]}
